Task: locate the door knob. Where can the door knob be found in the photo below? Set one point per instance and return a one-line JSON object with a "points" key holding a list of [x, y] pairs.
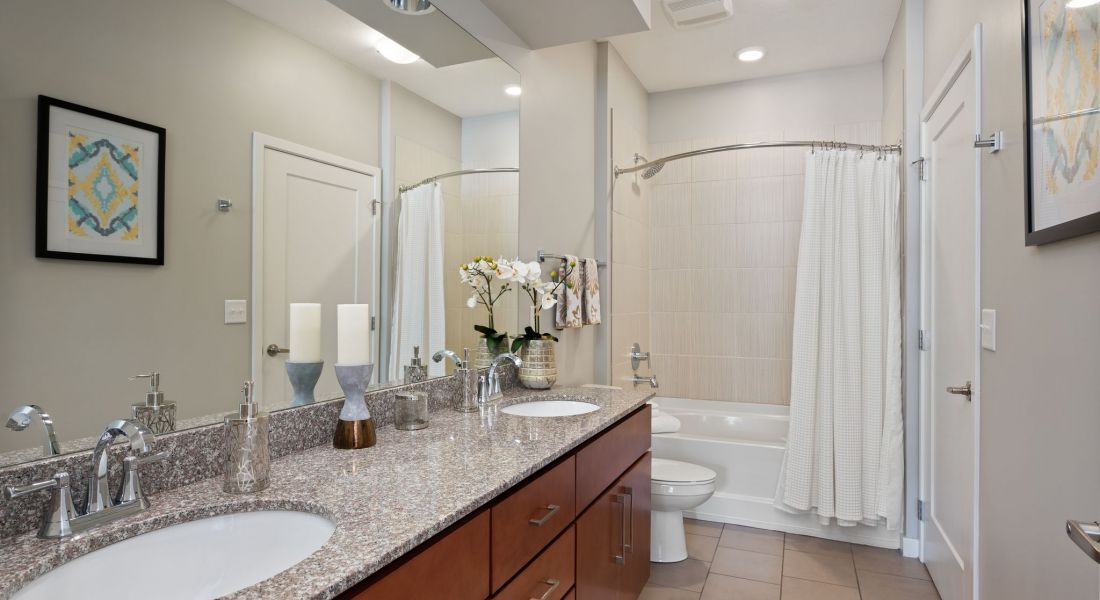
{"points": [[1087, 537], [962, 390], [275, 350]]}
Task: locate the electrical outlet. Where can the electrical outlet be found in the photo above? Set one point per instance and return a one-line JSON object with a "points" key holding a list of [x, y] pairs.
{"points": [[236, 311]]}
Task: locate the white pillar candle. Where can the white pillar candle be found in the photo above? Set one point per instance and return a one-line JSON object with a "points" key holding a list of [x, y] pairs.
{"points": [[353, 334], [305, 332]]}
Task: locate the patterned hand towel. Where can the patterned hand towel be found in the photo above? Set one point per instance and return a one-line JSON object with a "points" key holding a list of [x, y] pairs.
{"points": [[568, 313], [590, 281]]}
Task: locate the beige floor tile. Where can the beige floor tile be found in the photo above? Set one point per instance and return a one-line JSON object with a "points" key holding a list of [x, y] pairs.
{"points": [[882, 586], [707, 528], [748, 565], [721, 587], [805, 543], [652, 592], [830, 567], [803, 589], [881, 560], [687, 574], [755, 540], [701, 547]]}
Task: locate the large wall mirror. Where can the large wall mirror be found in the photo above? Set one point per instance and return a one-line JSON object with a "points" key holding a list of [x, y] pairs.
{"points": [[305, 142]]}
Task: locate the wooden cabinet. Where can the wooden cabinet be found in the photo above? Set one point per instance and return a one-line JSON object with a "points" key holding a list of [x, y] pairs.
{"points": [[613, 538], [550, 577], [605, 458]]}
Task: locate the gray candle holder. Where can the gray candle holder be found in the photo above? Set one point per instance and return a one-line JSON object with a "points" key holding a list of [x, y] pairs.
{"points": [[303, 378], [355, 428]]}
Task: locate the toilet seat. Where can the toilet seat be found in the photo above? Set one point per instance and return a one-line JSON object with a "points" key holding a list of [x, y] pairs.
{"points": [[679, 473]]}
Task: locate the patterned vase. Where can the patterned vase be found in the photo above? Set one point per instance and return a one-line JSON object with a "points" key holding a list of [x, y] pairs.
{"points": [[484, 358], [539, 370]]}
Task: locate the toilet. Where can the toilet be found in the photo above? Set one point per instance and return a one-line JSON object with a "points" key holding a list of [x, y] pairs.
{"points": [[676, 486]]}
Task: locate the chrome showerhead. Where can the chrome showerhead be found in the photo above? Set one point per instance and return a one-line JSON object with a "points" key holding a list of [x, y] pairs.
{"points": [[652, 170]]}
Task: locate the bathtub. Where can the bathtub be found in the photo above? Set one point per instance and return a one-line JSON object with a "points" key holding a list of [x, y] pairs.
{"points": [[744, 444]]}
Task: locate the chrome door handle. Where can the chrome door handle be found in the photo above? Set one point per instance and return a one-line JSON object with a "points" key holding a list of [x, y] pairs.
{"points": [[551, 510], [961, 390], [628, 520], [275, 350], [553, 583], [1087, 537], [620, 558]]}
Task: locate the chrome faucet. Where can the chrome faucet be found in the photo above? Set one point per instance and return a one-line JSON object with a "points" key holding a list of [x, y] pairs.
{"points": [[488, 388], [466, 400], [651, 380], [61, 518], [20, 419]]}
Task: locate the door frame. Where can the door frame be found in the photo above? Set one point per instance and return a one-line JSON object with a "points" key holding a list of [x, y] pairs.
{"points": [[260, 143], [970, 52]]}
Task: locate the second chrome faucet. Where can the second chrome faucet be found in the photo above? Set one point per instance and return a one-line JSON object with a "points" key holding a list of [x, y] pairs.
{"points": [[475, 390]]}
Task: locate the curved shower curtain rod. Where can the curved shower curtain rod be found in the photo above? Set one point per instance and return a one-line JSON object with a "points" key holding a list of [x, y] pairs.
{"points": [[434, 178], [651, 168]]}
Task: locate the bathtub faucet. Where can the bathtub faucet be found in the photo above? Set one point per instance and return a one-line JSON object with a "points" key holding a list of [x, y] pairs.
{"points": [[651, 380]]}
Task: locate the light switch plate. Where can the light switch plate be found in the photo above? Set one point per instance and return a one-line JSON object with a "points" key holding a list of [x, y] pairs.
{"points": [[236, 311], [989, 329]]}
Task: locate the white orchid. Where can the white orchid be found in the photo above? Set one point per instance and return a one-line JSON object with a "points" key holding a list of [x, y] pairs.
{"points": [[520, 270], [471, 302], [534, 272], [480, 274], [505, 270]]}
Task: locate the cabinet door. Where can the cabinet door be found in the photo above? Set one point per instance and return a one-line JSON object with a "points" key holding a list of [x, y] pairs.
{"points": [[635, 484], [600, 540]]}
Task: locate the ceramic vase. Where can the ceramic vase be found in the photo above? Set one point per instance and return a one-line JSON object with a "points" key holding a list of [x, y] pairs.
{"points": [[355, 428], [539, 370], [484, 357]]}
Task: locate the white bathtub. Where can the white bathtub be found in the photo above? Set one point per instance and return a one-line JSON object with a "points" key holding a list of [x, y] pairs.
{"points": [[744, 444]]}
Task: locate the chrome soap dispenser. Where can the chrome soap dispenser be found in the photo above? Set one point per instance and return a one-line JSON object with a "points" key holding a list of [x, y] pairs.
{"points": [[416, 370], [155, 414], [247, 453]]}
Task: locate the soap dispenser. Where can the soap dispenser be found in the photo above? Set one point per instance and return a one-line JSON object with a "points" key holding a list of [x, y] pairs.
{"points": [[247, 454], [155, 414], [416, 370]]}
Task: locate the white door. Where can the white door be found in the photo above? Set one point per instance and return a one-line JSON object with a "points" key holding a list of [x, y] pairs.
{"points": [[950, 196], [315, 241]]}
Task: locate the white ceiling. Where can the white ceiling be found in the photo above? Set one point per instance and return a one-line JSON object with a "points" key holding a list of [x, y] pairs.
{"points": [[469, 89], [545, 23], [799, 35]]}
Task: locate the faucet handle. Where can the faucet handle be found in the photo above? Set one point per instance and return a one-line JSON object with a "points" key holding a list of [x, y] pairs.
{"points": [[57, 519], [130, 489]]}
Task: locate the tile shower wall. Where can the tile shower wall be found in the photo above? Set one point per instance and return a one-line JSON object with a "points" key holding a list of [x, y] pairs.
{"points": [[724, 232]]}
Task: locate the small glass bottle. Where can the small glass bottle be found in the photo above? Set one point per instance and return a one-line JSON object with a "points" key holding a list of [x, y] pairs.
{"points": [[247, 453], [155, 414], [416, 370]]}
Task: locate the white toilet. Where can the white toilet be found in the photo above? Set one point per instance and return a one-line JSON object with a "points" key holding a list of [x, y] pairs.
{"points": [[676, 486]]}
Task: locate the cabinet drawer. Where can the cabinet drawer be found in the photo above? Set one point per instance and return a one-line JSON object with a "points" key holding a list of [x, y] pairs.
{"points": [[525, 521], [455, 567], [549, 577], [604, 460]]}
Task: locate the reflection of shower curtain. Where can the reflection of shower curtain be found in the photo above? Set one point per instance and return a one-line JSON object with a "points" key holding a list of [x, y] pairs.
{"points": [[418, 316], [844, 456]]}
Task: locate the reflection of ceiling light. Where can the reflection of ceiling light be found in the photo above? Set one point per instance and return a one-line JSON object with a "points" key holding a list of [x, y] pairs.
{"points": [[515, 90], [410, 7], [394, 52], [1081, 3], [755, 53]]}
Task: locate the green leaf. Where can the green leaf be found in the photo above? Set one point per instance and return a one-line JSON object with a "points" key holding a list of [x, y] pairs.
{"points": [[518, 343]]}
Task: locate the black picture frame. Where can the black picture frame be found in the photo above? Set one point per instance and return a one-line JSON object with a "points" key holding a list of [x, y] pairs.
{"points": [[1077, 227], [45, 106]]}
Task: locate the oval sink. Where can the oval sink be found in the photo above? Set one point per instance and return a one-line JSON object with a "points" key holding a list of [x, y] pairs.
{"points": [[206, 558], [550, 408]]}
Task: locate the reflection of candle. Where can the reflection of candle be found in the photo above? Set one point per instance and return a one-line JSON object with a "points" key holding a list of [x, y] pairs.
{"points": [[353, 334], [305, 332]]}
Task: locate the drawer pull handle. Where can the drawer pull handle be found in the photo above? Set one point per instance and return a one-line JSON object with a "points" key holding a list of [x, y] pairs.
{"points": [[553, 583], [628, 516], [551, 510], [620, 499]]}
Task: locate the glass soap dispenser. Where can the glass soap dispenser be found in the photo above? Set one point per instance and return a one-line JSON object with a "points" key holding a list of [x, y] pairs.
{"points": [[247, 453], [157, 415], [416, 370]]}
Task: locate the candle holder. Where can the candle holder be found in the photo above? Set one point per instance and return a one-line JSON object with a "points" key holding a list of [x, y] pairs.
{"points": [[303, 378], [355, 429]]}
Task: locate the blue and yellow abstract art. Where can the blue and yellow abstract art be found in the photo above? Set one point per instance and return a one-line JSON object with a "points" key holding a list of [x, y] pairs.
{"points": [[103, 187]]}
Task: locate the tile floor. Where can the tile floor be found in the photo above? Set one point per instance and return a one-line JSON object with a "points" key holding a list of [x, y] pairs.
{"points": [[740, 563]]}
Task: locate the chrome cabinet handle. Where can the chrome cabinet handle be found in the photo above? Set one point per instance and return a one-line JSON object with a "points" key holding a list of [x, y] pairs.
{"points": [[553, 583], [961, 390], [1087, 537], [275, 350], [551, 510], [620, 558], [628, 521]]}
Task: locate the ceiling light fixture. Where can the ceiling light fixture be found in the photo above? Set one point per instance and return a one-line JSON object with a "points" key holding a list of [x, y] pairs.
{"points": [[394, 52], [755, 53], [515, 90], [1081, 3], [410, 7]]}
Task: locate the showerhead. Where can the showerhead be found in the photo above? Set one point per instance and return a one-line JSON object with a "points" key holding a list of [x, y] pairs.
{"points": [[652, 170]]}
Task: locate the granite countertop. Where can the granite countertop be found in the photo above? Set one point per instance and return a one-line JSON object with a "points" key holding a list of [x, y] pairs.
{"points": [[385, 500]]}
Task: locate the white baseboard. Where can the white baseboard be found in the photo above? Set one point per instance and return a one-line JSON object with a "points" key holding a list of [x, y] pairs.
{"points": [[910, 547]]}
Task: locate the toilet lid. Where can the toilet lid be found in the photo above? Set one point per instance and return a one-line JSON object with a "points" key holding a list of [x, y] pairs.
{"points": [[675, 471]]}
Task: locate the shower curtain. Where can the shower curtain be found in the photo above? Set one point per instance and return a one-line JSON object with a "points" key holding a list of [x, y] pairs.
{"points": [[418, 315], [844, 457]]}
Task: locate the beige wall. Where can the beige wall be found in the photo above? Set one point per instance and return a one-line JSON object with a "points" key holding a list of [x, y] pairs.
{"points": [[211, 74], [725, 227], [893, 83], [1041, 388]]}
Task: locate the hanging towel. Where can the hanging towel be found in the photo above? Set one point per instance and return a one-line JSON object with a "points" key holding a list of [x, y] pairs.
{"points": [[570, 304], [590, 299], [418, 315]]}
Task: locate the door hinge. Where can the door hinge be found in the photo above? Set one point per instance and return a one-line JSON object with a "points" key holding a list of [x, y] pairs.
{"points": [[372, 323], [374, 207], [923, 340], [920, 510], [921, 174]]}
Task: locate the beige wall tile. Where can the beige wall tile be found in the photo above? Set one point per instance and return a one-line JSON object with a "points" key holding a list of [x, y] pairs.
{"points": [[670, 204], [714, 202]]}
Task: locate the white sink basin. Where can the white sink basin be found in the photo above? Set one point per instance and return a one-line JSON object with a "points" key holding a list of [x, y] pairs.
{"points": [[206, 558], [550, 408]]}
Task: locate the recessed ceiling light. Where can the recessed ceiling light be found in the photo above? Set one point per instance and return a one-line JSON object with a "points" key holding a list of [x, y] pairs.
{"points": [[1081, 3], [410, 7], [515, 90], [394, 52], [755, 53]]}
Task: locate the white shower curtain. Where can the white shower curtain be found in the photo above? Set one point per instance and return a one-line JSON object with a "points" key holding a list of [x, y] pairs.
{"points": [[844, 457], [418, 315]]}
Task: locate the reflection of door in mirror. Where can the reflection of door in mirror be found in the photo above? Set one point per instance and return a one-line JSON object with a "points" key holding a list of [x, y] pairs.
{"points": [[315, 240]]}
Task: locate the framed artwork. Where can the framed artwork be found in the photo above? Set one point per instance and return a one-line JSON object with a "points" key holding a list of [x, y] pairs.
{"points": [[100, 186], [1062, 92]]}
